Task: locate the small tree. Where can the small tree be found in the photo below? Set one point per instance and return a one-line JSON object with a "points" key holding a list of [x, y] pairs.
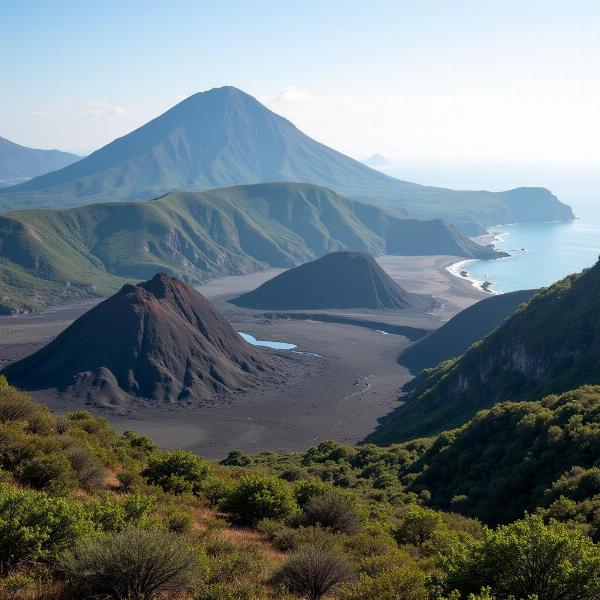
{"points": [[418, 526], [256, 497], [528, 558], [236, 458], [133, 564], [313, 572], [177, 471]]}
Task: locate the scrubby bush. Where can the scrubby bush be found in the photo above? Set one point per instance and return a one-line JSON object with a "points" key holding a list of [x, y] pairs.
{"points": [[313, 572], [142, 445], [257, 497], [236, 591], [236, 458], [111, 513], [49, 472], [35, 526], [15, 405], [89, 470], [289, 539], [177, 471], [179, 521], [398, 581], [305, 490], [132, 564], [235, 563], [127, 480], [332, 511]]}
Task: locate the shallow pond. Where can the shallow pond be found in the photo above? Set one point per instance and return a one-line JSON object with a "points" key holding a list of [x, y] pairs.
{"points": [[266, 343]]}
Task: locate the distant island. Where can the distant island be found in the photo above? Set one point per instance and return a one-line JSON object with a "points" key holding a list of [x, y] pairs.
{"points": [[377, 161]]}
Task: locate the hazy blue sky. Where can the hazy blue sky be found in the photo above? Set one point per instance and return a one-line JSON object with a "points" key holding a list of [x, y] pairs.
{"points": [[420, 80]]}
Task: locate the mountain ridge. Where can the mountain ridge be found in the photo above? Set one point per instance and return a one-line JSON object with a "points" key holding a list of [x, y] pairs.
{"points": [[19, 162], [51, 255], [225, 137]]}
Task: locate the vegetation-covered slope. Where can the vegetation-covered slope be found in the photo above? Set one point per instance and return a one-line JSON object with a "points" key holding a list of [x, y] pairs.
{"points": [[225, 137], [85, 512], [47, 255], [550, 345], [18, 163]]}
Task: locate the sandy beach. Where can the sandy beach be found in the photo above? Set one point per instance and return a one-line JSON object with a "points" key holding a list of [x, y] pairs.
{"points": [[338, 394]]}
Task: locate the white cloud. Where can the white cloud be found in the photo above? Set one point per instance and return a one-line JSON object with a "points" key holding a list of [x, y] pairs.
{"points": [[94, 108]]}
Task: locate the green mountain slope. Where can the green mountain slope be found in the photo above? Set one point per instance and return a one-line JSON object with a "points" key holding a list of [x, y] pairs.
{"points": [[520, 456], [18, 163], [551, 344], [51, 255], [225, 137]]}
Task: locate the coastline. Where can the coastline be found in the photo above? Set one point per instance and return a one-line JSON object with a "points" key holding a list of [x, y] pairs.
{"points": [[459, 269]]}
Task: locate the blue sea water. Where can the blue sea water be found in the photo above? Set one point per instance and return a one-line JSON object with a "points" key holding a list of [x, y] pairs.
{"points": [[541, 253]]}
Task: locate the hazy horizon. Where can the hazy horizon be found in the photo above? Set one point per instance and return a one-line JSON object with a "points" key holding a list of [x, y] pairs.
{"points": [[473, 81]]}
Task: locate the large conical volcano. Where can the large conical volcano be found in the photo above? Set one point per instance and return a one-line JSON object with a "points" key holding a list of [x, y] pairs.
{"points": [[337, 280], [160, 340], [225, 137]]}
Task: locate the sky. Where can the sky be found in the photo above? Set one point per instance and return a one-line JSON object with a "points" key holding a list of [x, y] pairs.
{"points": [[426, 80]]}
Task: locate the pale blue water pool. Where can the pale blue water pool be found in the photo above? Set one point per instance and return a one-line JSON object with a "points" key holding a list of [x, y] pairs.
{"points": [[266, 343]]}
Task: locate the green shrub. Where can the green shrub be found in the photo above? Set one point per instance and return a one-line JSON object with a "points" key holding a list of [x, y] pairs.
{"points": [[128, 480], [289, 539], [35, 526], [143, 445], [15, 405], [215, 489], [405, 581], [313, 572], [132, 564], [218, 591], [113, 513], [257, 497], [49, 472], [528, 558], [235, 564], [305, 490], [332, 511], [179, 521], [418, 525], [177, 471], [236, 458]]}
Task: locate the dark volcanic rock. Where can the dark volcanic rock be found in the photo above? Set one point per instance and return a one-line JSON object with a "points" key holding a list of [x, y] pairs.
{"points": [[160, 340], [337, 280]]}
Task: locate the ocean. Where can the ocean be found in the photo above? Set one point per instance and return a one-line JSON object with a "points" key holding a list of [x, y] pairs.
{"points": [[540, 253]]}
